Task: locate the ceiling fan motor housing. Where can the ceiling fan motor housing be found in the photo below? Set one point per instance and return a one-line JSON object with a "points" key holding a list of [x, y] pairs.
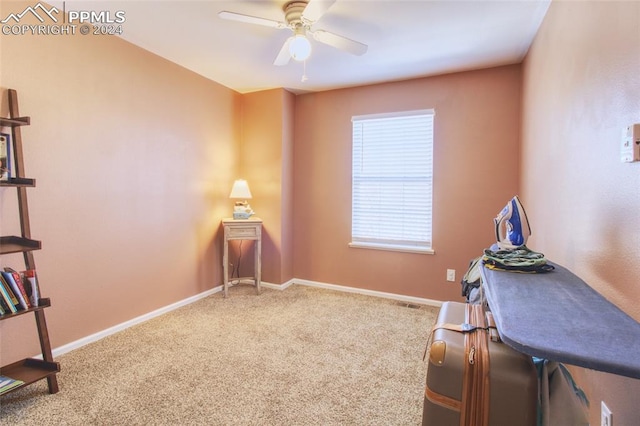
{"points": [[293, 14]]}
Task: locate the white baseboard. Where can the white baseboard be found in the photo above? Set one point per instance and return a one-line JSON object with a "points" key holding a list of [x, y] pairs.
{"points": [[142, 318], [282, 286], [400, 297]]}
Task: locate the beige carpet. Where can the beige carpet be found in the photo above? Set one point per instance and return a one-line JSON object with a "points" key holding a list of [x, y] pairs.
{"points": [[303, 356]]}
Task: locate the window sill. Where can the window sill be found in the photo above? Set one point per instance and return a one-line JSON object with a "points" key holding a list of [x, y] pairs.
{"points": [[392, 247]]}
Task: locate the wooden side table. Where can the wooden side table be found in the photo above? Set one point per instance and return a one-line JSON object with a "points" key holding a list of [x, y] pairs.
{"points": [[242, 229]]}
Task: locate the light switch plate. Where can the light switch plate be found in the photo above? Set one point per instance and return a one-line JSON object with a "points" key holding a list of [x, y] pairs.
{"points": [[630, 144]]}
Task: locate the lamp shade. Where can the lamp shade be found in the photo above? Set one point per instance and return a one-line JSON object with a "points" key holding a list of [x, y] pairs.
{"points": [[240, 190]]}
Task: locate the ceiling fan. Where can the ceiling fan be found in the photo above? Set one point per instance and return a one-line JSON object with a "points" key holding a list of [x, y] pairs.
{"points": [[300, 16]]}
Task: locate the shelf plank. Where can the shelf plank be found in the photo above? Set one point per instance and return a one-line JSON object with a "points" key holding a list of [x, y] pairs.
{"points": [[44, 302], [557, 316], [18, 182], [14, 122], [13, 244], [29, 370]]}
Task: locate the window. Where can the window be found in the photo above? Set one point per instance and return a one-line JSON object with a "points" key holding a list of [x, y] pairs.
{"points": [[392, 181]]}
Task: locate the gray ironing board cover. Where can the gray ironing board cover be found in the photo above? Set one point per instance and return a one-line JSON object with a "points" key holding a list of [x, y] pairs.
{"points": [[557, 316]]}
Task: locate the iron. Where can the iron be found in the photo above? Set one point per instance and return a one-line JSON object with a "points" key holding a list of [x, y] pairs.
{"points": [[512, 225]]}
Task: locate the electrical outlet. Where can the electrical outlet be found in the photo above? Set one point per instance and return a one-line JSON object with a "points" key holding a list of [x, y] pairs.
{"points": [[606, 418], [451, 274]]}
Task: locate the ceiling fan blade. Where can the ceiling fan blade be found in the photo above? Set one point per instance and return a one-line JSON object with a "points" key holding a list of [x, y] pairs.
{"points": [[284, 55], [316, 8], [339, 42], [232, 16]]}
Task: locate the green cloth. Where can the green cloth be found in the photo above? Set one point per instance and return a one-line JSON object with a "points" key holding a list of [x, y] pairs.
{"points": [[520, 259]]}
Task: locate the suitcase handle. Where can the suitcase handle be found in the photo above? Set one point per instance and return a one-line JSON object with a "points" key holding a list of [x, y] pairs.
{"points": [[459, 328]]}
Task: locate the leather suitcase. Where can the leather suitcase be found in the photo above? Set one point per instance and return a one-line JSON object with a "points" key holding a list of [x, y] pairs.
{"points": [[472, 378]]}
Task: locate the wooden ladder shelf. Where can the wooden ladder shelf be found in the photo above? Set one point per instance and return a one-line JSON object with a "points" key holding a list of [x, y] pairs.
{"points": [[27, 370]]}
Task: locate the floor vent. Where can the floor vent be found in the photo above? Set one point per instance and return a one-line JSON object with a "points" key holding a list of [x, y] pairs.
{"points": [[409, 305]]}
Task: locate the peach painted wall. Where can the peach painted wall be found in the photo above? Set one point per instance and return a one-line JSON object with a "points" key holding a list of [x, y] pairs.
{"points": [[266, 162], [134, 157], [476, 171], [581, 88]]}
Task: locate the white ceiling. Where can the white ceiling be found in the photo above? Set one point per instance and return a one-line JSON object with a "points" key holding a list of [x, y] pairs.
{"points": [[406, 39]]}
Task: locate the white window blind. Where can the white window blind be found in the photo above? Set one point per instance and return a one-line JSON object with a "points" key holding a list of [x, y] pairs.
{"points": [[392, 181]]}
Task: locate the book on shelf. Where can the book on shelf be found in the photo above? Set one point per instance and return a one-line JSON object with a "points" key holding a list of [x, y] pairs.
{"points": [[20, 283], [5, 156], [7, 383], [4, 292], [13, 296], [3, 302], [15, 282], [31, 284]]}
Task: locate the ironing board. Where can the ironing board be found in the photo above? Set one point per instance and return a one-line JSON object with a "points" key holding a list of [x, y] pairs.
{"points": [[557, 316]]}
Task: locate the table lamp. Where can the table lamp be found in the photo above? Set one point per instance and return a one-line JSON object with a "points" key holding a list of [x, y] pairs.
{"points": [[240, 191]]}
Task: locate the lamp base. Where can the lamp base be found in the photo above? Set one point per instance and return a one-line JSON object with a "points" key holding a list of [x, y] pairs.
{"points": [[242, 210], [241, 215]]}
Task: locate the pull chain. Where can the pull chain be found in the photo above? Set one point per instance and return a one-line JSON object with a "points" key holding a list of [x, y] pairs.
{"points": [[304, 72]]}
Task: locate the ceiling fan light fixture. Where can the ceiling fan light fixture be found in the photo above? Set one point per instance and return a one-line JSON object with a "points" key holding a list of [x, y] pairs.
{"points": [[300, 48]]}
